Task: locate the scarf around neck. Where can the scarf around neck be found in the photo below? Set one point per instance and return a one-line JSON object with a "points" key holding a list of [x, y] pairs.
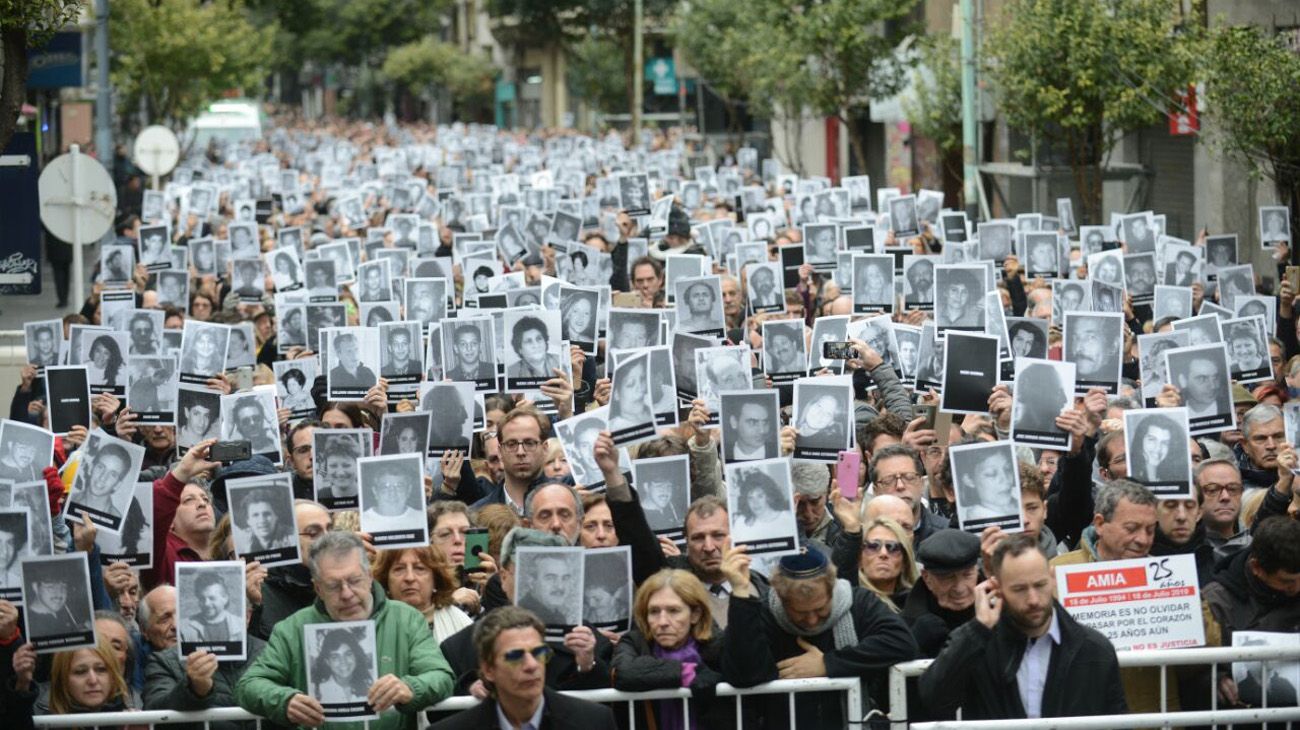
{"points": [[840, 621]]}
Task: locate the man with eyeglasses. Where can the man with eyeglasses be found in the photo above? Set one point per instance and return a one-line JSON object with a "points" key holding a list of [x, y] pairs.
{"points": [[520, 436], [580, 662], [514, 662], [276, 593], [413, 673], [897, 470], [1220, 487]]}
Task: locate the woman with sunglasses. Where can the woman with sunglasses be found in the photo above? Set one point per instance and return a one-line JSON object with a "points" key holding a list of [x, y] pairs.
{"points": [[887, 566], [674, 644]]}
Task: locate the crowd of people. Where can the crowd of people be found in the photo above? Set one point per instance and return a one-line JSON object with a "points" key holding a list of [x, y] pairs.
{"points": [[421, 242]]}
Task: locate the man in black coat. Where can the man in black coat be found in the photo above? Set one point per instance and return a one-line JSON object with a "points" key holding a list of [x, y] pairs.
{"points": [[513, 658], [1022, 656]]}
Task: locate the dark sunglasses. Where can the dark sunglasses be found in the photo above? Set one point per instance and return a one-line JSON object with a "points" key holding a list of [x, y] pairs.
{"points": [[542, 653], [890, 546]]}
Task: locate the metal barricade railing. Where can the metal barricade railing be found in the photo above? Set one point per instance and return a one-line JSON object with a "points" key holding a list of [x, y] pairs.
{"points": [[851, 686], [1162, 658]]}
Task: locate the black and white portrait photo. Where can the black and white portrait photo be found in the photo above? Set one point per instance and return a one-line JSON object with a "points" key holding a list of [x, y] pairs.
{"points": [[104, 355], [341, 667], [468, 353], [631, 403], [634, 193], [918, 282], [873, 283], [286, 271], [1172, 302], [401, 355], [930, 359], [996, 239], [959, 292], [1065, 214], [262, 519], [607, 588], [1069, 295], [1202, 329], [25, 451], [970, 370], [1201, 374], [241, 346], [1274, 225], [116, 264], [1139, 232], [145, 327], [903, 217], [579, 310], [1043, 389], [1220, 253], [203, 351], [827, 329], [720, 369], [353, 361], [56, 602], [291, 326], [14, 548], [1107, 266], [251, 417], [405, 433], [102, 486], [631, 329], [198, 415], [1276, 681], [426, 300], [1027, 337], [1042, 255], [248, 279], [1182, 264], [699, 305], [785, 354], [1235, 281], [823, 417], [764, 287], [210, 608], [293, 381], [392, 500], [153, 206], [43, 340], [760, 506], [154, 247], [1247, 341], [1157, 451], [663, 486], [203, 256], [1140, 276], [375, 285], [321, 280], [174, 289], [1092, 343], [133, 545], [549, 582], [151, 390], [751, 425], [908, 342], [1151, 361], [452, 406], [577, 437], [534, 349], [820, 243], [1257, 305], [986, 481], [334, 473]]}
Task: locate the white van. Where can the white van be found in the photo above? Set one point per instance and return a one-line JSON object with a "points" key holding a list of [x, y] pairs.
{"points": [[228, 121]]}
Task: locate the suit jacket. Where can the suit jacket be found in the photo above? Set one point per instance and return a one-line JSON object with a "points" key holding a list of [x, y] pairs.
{"points": [[559, 713]]}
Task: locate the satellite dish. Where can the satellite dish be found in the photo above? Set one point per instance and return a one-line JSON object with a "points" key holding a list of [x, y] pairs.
{"points": [[156, 151], [78, 205]]}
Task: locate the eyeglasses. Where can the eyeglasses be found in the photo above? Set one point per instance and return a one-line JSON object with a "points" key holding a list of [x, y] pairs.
{"points": [[354, 584], [911, 479], [1213, 490], [892, 547], [527, 444], [542, 653]]}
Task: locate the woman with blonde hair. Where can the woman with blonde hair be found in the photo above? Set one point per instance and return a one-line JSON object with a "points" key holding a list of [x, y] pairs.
{"points": [[555, 464], [887, 566], [674, 644], [81, 681], [423, 579]]}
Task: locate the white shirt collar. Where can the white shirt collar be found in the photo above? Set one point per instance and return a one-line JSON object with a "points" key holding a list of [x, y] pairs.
{"points": [[534, 722]]}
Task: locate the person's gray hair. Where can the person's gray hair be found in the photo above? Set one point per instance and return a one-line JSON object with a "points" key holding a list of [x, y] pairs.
{"points": [[1109, 496], [1217, 450], [892, 451], [577, 499], [810, 480], [1209, 463], [1262, 413], [335, 545], [525, 537], [143, 613], [1123, 402]]}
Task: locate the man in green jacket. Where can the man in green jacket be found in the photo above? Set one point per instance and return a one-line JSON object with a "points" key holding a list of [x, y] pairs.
{"points": [[412, 672]]}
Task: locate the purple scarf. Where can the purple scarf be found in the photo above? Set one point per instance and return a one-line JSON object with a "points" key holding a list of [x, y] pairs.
{"points": [[670, 711]]}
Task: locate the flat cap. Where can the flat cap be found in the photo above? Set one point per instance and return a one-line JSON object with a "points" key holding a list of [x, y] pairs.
{"points": [[948, 550]]}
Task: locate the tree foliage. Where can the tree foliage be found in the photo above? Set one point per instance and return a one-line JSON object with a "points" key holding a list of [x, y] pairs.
{"points": [[935, 110], [1080, 74], [719, 39], [429, 62], [595, 73], [347, 32], [1250, 84], [175, 57], [25, 24]]}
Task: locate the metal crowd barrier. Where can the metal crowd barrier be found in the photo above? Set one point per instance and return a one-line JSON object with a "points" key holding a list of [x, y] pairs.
{"points": [[851, 686], [1163, 658]]}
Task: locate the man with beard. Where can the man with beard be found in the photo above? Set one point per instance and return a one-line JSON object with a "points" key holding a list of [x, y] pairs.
{"points": [[1094, 355], [1018, 624], [763, 291], [920, 283]]}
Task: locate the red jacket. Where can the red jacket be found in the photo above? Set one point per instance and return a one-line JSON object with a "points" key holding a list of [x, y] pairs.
{"points": [[168, 548]]}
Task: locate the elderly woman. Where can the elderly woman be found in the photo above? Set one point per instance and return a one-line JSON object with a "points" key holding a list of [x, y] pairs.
{"points": [[887, 566], [422, 578], [674, 644]]}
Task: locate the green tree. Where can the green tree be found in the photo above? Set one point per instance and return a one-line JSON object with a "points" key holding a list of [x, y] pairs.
{"points": [[722, 41], [174, 57], [594, 73], [429, 62], [347, 32], [1078, 75], [24, 24], [935, 110], [1251, 80]]}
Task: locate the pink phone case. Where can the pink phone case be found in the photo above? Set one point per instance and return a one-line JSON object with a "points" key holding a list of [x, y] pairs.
{"points": [[846, 473]]}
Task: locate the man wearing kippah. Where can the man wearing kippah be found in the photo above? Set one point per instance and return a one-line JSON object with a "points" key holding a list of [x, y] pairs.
{"points": [[810, 624]]}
